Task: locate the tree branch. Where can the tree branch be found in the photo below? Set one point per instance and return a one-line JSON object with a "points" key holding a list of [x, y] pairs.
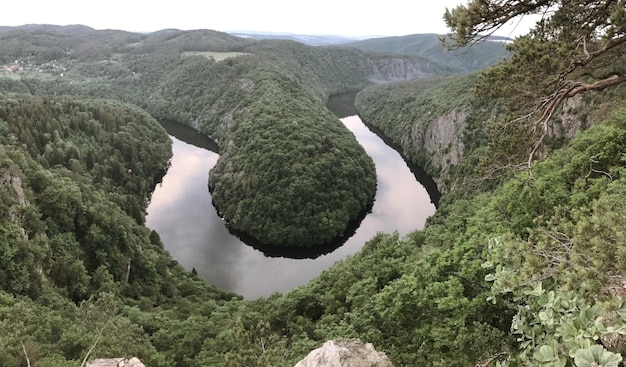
{"points": [[551, 104], [492, 358], [25, 353], [92, 347], [485, 19], [577, 47]]}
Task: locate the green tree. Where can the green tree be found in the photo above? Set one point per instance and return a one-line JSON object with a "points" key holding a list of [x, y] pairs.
{"points": [[561, 266], [575, 47], [15, 331], [255, 345]]}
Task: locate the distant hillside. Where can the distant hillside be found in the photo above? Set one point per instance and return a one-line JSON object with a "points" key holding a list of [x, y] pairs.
{"points": [[467, 59]]}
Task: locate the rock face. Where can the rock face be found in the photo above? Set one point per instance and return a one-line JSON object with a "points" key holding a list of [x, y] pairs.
{"points": [[345, 353], [386, 70], [11, 180], [442, 142], [116, 362], [573, 118]]}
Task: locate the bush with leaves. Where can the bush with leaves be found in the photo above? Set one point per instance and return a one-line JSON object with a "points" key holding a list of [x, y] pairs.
{"points": [[563, 267]]}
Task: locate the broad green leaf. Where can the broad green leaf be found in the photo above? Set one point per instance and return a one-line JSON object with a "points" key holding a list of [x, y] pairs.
{"points": [[546, 353], [596, 355]]}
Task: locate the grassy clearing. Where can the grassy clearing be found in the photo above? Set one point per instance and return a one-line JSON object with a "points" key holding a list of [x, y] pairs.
{"points": [[217, 56], [28, 73], [10, 75]]}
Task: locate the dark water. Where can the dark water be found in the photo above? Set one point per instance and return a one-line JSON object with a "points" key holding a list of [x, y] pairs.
{"points": [[182, 213]]}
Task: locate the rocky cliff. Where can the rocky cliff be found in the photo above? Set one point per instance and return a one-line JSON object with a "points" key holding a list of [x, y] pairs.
{"points": [[442, 141], [389, 69], [13, 182], [437, 123], [427, 121]]}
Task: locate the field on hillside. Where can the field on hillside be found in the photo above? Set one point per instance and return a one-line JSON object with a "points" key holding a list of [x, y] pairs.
{"points": [[217, 56]]}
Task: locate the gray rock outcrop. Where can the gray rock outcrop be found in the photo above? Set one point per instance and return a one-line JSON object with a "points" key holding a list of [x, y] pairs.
{"points": [[384, 70], [12, 180], [345, 353], [116, 362]]}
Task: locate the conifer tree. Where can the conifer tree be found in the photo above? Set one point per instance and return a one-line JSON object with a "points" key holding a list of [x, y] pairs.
{"points": [[575, 47]]}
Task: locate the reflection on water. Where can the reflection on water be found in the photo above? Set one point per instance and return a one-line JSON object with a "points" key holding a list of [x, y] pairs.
{"points": [[182, 213], [189, 135]]}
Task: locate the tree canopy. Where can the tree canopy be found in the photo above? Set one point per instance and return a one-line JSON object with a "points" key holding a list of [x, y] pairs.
{"points": [[530, 273], [575, 47], [265, 107]]}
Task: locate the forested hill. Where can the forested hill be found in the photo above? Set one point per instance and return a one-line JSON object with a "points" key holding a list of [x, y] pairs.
{"points": [[517, 267], [76, 178], [214, 82], [468, 59], [68, 234]]}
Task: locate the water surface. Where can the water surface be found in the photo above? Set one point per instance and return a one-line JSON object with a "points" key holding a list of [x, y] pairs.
{"points": [[182, 213]]}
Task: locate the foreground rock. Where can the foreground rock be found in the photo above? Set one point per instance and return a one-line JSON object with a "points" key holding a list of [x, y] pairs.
{"points": [[345, 353], [116, 362]]}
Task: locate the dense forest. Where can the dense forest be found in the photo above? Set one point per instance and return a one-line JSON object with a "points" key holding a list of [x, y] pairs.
{"points": [[522, 265], [262, 97]]}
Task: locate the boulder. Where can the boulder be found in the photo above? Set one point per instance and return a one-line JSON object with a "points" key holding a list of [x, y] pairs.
{"points": [[116, 362], [345, 353]]}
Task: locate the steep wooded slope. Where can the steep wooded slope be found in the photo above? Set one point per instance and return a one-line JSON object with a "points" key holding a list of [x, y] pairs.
{"points": [[437, 124], [77, 175], [416, 298]]}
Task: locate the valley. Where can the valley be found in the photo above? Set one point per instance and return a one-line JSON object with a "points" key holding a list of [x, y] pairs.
{"points": [[522, 263]]}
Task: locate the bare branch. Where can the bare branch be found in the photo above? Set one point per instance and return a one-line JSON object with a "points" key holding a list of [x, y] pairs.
{"points": [[564, 253], [550, 105], [593, 161], [95, 343], [492, 358], [25, 353]]}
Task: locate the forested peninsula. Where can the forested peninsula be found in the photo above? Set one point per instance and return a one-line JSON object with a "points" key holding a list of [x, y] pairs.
{"points": [[522, 264]]}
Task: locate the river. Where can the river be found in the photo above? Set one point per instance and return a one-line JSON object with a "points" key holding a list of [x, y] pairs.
{"points": [[182, 213]]}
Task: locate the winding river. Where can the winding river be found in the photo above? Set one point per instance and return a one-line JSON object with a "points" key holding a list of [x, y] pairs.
{"points": [[182, 213]]}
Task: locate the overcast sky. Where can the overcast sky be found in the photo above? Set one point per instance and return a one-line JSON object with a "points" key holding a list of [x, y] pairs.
{"points": [[328, 17]]}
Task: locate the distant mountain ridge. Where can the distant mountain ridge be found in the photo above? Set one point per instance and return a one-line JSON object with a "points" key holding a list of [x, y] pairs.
{"points": [[307, 39], [467, 59], [73, 29]]}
